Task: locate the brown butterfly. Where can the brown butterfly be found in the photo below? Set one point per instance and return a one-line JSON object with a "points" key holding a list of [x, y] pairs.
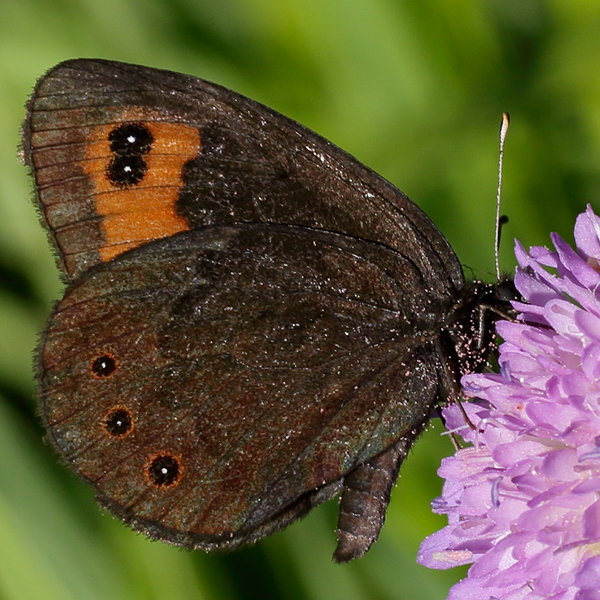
{"points": [[254, 321]]}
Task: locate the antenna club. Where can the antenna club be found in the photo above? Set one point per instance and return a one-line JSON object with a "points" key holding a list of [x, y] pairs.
{"points": [[504, 125]]}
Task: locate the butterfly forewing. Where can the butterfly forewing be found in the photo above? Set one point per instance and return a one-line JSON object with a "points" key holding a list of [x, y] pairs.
{"points": [[239, 162]]}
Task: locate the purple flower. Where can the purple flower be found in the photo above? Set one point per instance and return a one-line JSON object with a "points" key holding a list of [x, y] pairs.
{"points": [[523, 502]]}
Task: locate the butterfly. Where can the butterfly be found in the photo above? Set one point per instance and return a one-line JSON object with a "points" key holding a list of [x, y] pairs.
{"points": [[254, 322]]}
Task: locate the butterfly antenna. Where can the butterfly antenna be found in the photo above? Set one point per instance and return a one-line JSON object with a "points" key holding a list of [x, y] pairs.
{"points": [[500, 221]]}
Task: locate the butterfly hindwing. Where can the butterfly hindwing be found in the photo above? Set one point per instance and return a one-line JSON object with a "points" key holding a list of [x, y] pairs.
{"points": [[275, 360]]}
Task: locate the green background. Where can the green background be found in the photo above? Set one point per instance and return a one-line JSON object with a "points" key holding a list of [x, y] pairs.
{"points": [[414, 89]]}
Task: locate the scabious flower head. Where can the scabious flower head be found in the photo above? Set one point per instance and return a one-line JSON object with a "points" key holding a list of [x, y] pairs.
{"points": [[523, 502]]}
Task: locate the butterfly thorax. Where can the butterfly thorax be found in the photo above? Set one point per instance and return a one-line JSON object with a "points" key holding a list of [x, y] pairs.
{"points": [[469, 334]]}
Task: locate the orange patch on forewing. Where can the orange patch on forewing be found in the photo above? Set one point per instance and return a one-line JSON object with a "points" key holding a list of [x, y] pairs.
{"points": [[139, 213], [154, 224]]}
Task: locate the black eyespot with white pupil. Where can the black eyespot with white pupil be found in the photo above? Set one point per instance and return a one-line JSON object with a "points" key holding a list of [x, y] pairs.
{"points": [[118, 422], [104, 366], [164, 470], [129, 143], [127, 170], [131, 139]]}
